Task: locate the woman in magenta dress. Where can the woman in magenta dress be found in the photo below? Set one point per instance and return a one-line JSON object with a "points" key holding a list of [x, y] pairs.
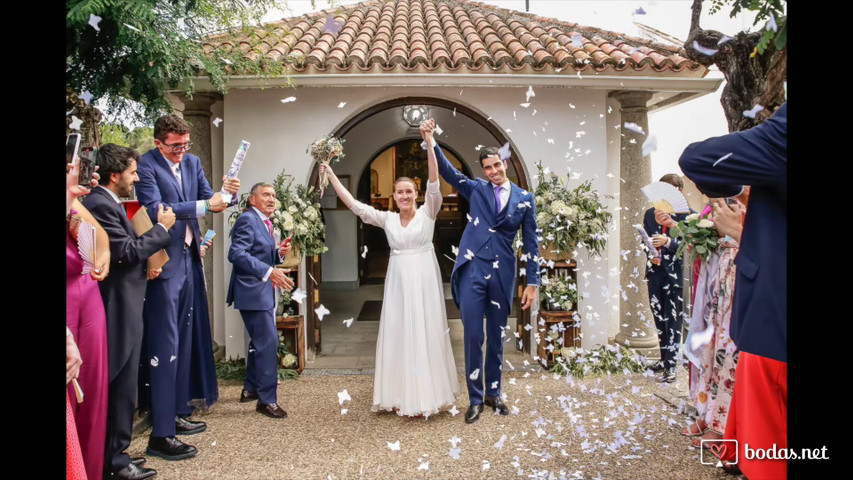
{"points": [[86, 320]]}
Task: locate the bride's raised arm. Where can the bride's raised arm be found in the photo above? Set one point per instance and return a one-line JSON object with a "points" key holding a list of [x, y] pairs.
{"points": [[367, 213], [432, 198], [343, 192]]}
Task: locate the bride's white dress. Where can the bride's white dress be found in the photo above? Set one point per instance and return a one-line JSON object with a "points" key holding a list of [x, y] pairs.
{"points": [[415, 370]]}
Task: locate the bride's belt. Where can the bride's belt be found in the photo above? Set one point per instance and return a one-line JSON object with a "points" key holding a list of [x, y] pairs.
{"points": [[409, 251]]}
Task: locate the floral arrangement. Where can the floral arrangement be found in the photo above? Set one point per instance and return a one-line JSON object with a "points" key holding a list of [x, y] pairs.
{"points": [[568, 218], [326, 150], [560, 293], [297, 215], [286, 360], [604, 359], [698, 232]]}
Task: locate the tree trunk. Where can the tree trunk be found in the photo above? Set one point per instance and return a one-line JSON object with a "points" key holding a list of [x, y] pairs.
{"points": [[750, 81]]}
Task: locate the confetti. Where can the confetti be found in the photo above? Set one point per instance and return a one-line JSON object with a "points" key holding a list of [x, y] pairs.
{"points": [[343, 397], [495, 264], [634, 128], [348, 322], [94, 20], [722, 158], [504, 152], [217, 121], [86, 96], [476, 221], [751, 113], [298, 295], [454, 453], [288, 99], [173, 358], [227, 62], [525, 105], [639, 11], [771, 24], [469, 255], [723, 40], [364, 253], [454, 440], [342, 104], [475, 374], [577, 41], [496, 304], [321, 311], [395, 447], [454, 411], [155, 361], [75, 123], [132, 27], [500, 443], [650, 145], [529, 93], [332, 26], [423, 466], [703, 50], [344, 411]]}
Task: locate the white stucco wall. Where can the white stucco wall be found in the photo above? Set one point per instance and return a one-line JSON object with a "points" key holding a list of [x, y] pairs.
{"points": [[563, 128]]}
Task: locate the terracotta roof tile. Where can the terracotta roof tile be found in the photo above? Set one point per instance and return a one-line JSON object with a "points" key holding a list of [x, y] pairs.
{"points": [[411, 34]]}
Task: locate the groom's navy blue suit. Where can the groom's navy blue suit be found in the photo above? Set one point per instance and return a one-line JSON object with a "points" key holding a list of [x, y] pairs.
{"points": [[483, 278]]}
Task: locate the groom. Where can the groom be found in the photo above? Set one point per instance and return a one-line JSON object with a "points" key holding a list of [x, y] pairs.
{"points": [[483, 278]]}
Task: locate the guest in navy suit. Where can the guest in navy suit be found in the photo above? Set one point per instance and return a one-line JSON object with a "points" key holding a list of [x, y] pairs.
{"points": [[483, 278], [178, 352], [665, 283], [123, 293], [254, 253], [720, 167]]}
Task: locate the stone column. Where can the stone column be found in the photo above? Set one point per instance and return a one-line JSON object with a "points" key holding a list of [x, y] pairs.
{"points": [[197, 114], [636, 327]]}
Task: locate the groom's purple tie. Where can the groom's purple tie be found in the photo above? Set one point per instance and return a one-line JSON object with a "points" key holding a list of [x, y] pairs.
{"points": [[498, 199]]}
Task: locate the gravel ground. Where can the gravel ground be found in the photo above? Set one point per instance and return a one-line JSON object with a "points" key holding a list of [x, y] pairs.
{"points": [[608, 428]]}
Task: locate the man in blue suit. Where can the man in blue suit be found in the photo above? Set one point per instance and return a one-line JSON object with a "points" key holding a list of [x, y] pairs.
{"points": [[254, 254], [170, 177], [720, 167], [483, 278]]}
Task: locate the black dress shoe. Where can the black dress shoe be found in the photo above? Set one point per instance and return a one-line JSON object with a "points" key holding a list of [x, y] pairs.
{"points": [[669, 375], [656, 368], [133, 472], [473, 413], [271, 410], [138, 461], [497, 404], [169, 448], [185, 426], [247, 396]]}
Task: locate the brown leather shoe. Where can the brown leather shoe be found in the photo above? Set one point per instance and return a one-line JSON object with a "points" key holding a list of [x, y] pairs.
{"points": [[247, 396], [271, 410]]}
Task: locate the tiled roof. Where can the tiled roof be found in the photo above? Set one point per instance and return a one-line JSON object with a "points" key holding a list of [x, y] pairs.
{"points": [[455, 36]]}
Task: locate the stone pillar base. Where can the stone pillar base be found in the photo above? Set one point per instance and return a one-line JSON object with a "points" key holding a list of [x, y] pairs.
{"points": [[648, 349]]}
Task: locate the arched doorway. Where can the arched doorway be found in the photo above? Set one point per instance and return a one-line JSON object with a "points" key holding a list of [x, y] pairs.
{"points": [[369, 135]]}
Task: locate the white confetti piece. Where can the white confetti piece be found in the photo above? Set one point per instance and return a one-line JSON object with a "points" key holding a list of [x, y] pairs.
{"points": [[344, 411], [529, 93], [343, 397], [173, 358], [722, 158], [486, 464], [475, 374], [298, 295], [488, 276], [213, 444], [94, 20], [495, 264], [155, 361], [342, 104], [132, 27], [332, 26], [634, 128], [321, 312], [288, 99], [225, 60], [75, 123], [454, 453], [754, 110], [86, 96], [704, 50], [771, 23], [364, 253], [469, 255], [454, 440], [217, 122], [650, 145], [525, 105], [504, 152], [395, 447], [639, 11], [723, 40], [496, 304], [476, 221], [348, 322], [453, 410], [500, 443], [423, 466], [495, 385], [577, 41]]}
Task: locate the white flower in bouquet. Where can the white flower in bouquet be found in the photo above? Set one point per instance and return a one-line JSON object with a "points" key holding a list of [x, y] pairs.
{"points": [[287, 216], [705, 223], [288, 225], [288, 360], [326, 150], [277, 204], [301, 229], [292, 209], [691, 217], [311, 213]]}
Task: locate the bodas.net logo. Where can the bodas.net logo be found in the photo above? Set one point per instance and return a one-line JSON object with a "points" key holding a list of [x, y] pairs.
{"points": [[709, 454]]}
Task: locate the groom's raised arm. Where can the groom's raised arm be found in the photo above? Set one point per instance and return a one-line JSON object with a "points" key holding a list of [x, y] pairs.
{"points": [[451, 175]]}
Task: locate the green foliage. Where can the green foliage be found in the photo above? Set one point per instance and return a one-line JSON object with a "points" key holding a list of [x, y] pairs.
{"points": [[764, 11], [604, 359], [146, 47], [231, 369], [558, 293], [699, 233], [140, 139]]}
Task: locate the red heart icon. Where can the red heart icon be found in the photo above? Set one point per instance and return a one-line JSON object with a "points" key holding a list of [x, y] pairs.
{"points": [[717, 449]]}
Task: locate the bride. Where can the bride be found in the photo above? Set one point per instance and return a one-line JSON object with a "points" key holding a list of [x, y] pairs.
{"points": [[415, 371]]}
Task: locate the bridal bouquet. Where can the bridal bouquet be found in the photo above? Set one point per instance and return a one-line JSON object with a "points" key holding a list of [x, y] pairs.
{"points": [[560, 293], [568, 218], [699, 233], [326, 150]]}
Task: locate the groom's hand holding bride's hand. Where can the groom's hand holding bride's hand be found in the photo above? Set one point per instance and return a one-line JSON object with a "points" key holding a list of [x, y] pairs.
{"points": [[427, 128], [527, 296]]}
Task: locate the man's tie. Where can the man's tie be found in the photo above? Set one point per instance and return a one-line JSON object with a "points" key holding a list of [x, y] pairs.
{"points": [[269, 226], [176, 168], [498, 199]]}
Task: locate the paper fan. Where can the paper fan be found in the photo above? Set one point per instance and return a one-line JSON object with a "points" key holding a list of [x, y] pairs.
{"points": [[86, 246], [666, 197]]}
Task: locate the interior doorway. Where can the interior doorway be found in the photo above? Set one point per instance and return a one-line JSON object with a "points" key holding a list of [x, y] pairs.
{"points": [[406, 158]]}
